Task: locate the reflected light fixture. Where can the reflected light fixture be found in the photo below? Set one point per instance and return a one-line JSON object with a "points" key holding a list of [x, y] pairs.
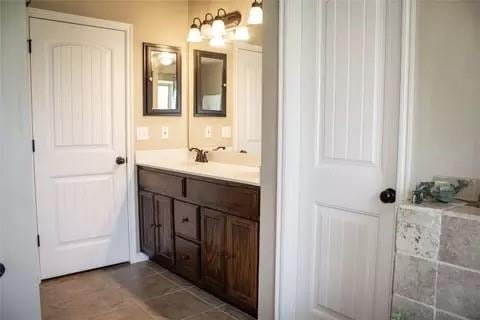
{"points": [[206, 27], [218, 26], [217, 41], [256, 13], [194, 34], [166, 58], [241, 33]]}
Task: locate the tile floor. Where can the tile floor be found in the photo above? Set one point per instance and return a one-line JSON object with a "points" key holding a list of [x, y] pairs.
{"points": [[142, 291]]}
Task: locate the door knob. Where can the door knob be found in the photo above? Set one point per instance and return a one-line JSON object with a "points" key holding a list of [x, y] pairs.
{"points": [[2, 270], [388, 195], [120, 160]]}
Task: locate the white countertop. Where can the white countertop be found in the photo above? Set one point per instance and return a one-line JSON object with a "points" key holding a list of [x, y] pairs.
{"points": [[182, 161]]}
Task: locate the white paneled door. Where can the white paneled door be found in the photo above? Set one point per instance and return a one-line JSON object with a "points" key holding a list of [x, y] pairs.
{"points": [[79, 126], [249, 99], [349, 131]]}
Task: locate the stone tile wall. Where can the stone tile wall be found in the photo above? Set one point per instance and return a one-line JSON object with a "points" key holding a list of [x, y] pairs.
{"points": [[437, 263]]}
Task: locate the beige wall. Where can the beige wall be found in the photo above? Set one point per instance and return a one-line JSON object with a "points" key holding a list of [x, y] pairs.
{"points": [[167, 22], [197, 124], [447, 85], [161, 22]]}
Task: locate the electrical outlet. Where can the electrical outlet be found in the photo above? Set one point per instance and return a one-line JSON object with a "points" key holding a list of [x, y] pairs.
{"points": [[142, 133], [208, 132], [226, 132], [164, 132]]}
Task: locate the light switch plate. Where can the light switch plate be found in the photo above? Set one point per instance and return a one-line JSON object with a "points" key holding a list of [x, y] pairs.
{"points": [[142, 133], [165, 133], [226, 132], [208, 132]]}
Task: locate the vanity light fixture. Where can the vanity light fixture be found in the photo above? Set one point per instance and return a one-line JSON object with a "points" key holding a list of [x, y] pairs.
{"points": [[194, 34], [217, 42], [241, 33], [206, 27], [256, 13], [218, 26]]}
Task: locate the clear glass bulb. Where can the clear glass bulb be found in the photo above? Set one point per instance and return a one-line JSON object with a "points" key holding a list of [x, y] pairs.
{"points": [[206, 30]]}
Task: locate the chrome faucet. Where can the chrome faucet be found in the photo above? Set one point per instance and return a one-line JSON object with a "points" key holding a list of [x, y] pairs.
{"points": [[201, 155], [220, 147]]}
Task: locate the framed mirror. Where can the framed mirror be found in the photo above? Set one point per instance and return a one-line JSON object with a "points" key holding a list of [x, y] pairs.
{"points": [[210, 84], [162, 80]]}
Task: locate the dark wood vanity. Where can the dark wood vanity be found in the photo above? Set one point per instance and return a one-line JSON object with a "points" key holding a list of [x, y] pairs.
{"points": [[205, 230]]}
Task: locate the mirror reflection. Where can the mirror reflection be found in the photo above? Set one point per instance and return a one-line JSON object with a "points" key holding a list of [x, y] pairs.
{"points": [[162, 83], [210, 83], [164, 78]]}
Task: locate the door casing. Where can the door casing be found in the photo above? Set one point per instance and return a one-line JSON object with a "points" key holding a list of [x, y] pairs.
{"points": [[289, 132], [135, 254]]}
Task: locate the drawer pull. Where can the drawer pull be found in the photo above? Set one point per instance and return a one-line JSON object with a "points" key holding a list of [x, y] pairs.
{"points": [[185, 257], [185, 220]]}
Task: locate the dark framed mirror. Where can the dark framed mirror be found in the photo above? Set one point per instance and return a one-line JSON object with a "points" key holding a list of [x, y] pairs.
{"points": [[210, 84], [162, 80]]}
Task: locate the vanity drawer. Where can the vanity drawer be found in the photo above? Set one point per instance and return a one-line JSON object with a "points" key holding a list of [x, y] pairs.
{"points": [[234, 199], [187, 259], [186, 219], [161, 183]]}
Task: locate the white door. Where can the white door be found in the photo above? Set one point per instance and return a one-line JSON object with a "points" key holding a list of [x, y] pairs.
{"points": [[349, 130], [79, 127], [249, 99]]}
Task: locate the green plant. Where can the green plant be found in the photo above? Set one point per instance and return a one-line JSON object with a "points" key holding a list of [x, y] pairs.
{"points": [[402, 316]]}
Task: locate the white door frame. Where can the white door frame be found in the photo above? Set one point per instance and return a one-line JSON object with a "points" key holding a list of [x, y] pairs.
{"points": [[239, 46], [135, 255], [289, 129]]}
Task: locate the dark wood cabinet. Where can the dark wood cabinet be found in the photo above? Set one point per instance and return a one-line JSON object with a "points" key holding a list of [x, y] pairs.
{"points": [[147, 223], [203, 229], [242, 260], [213, 250], [164, 228]]}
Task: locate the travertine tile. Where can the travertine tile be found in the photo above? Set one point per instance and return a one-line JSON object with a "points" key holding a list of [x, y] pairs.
{"points": [[130, 312], [85, 306], [177, 305], [206, 297], [178, 280], [212, 315], [458, 292], [415, 310], [460, 242], [418, 233], [125, 272], [440, 315], [234, 312], [415, 278], [149, 287]]}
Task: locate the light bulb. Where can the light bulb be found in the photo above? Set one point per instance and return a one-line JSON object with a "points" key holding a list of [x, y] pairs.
{"points": [[256, 14], [218, 28], [194, 34], [206, 30], [217, 42], [241, 33]]}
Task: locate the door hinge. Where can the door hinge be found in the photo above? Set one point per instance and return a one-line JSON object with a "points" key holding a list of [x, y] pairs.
{"points": [[27, 3], [29, 45], [33, 145], [126, 159], [38, 240]]}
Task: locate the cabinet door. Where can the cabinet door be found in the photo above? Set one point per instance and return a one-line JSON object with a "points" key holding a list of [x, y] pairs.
{"points": [[147, 223], [213, 249], [164, 234], [242, 261]]}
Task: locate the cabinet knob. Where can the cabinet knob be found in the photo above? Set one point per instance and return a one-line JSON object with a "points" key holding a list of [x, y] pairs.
{"points": [[186, 257], [185, 219], [153, 225], [227, 256]]}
